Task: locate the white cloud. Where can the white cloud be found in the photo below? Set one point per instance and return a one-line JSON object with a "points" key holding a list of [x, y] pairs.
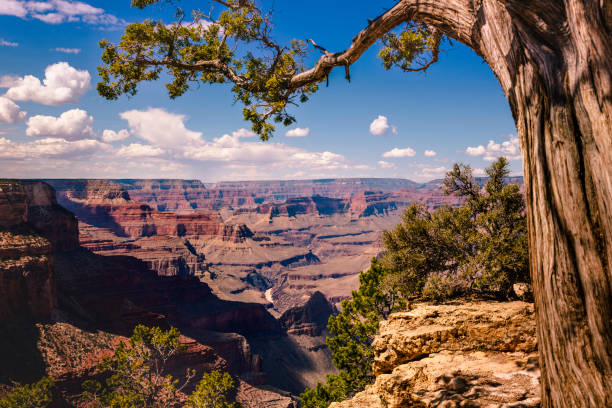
{"points": [[161, 128], [386, 165], [476, 151], [50, 147], [62, 84], [139, 150], [397, 153], [380, 125], [60, 11], [109, 136], [478, 172], [67, 50], [9, 111], [242, 132], [298, 132], [430, 153], [13, 8], [5, 43], [426, 172], [509, 149], [71, 125]]}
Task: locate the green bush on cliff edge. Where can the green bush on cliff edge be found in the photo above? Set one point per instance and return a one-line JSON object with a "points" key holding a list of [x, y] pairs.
{"points": [[137, 377], [478, 248]]}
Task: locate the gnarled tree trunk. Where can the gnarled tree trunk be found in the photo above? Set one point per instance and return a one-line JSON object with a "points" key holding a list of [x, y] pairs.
{"points": [[553, 59]]}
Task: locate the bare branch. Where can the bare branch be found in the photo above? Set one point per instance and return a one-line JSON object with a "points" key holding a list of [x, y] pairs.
{"points": [[452, 17]]}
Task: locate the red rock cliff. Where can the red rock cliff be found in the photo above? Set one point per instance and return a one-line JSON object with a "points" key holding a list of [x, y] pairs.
{"points": [[32, 228]]}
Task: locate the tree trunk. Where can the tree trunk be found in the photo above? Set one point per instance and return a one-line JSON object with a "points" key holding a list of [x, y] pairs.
{"points": [[554, 61]]}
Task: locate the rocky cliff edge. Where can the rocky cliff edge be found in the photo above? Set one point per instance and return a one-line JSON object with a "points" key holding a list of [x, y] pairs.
{"points": [[471, 354]]}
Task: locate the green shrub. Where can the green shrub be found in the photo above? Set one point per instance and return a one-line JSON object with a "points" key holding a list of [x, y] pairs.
{"points": [[213, 391], [137, 376], [36, 395], [477, 248]]}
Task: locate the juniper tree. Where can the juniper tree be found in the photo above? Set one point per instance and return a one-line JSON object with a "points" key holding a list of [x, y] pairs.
{"points": [[553, 59]]}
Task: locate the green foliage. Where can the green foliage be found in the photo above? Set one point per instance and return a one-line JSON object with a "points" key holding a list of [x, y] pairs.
{"points": [[233, 43], [478, 248], [137, 376], [137, 372], [352, 332], [36, 395], [213, 391], [211, 49], [415, 48]]}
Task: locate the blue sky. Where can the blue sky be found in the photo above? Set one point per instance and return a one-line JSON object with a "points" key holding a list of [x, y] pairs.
{"points": [[53, 123]]}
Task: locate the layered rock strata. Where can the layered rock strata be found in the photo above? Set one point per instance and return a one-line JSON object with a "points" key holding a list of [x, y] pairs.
{"points": [[33, 227], [472, 354]]}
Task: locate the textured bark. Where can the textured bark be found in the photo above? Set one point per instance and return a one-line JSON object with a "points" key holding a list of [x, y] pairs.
{"points": [[553, 59]]}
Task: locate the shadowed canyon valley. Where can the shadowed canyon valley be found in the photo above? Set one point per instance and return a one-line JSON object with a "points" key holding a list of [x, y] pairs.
{"points": [[248, 271]]}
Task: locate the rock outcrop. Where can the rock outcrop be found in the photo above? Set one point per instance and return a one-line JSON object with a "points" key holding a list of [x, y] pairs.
{"points": [[33, 228], [309, 319], [472, 354]]}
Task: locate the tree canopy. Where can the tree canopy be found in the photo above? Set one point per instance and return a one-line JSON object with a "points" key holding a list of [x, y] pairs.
{"points": [[233, 42], [479, 248]]}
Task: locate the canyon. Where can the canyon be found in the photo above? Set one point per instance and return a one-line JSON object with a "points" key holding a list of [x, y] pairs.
{"points": [[288, 239], [249, 272]]}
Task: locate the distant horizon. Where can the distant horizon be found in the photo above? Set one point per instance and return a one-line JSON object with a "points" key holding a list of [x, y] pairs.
{"points": [[246, 181]]}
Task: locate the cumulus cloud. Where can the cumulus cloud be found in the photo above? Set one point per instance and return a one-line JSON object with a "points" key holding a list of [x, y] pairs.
{"points": [[71, 125], [430, 153], [110, 136], [476, 151], [161, 128], [426, 172], [167, 132], [62, 84], [509, 149], [380, 126], [50, 147], [397, 153], [9, 111], [386, 165], [5, 43], [139, 150], [13, 8], [60, 11], [242, 132], [298, 132], [67, 50], [231, 149]]}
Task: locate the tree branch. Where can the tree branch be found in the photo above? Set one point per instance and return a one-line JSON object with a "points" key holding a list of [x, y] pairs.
{"points": [[454, 18]]}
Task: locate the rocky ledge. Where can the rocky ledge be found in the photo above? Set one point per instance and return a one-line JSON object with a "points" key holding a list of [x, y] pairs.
{"points": [[471, 354]]}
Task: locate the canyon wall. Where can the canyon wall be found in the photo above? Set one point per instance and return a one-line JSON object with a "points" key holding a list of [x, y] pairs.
{"points": [[33, 228]]}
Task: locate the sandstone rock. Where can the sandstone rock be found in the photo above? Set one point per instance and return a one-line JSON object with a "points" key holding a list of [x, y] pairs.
{"points": [[472, 354], [498, 326], [522, 291]]}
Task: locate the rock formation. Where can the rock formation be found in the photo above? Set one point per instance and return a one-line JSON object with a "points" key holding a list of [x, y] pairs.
{"points": [[33, 227], [465, 354], [309, 319]]}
